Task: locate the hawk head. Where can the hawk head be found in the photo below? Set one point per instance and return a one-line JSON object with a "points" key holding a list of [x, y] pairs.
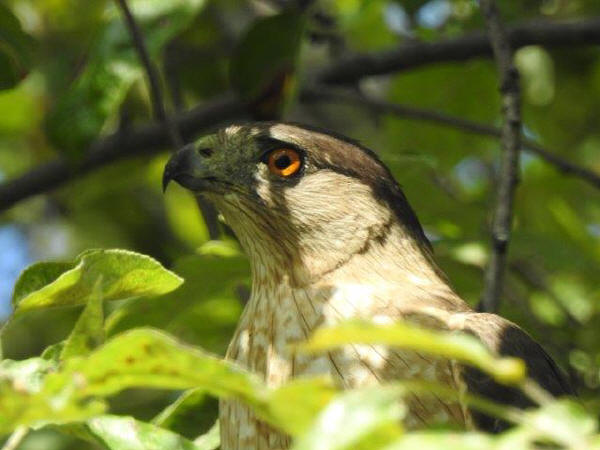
{"points": [[297, 198]]}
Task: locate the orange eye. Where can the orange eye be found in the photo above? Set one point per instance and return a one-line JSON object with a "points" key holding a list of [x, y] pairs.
{"points": [[284, 162]]}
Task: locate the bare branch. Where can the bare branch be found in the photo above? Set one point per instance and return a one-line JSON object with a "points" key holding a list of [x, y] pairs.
{"points": [[156, 95], [142, 141], [509, 162], [351, 69], [326, 94]]}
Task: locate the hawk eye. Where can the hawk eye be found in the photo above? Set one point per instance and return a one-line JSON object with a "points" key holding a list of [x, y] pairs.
{"points": [[284, 162]]}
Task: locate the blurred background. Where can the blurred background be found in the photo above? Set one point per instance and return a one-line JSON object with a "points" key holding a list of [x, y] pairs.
{"points": [[81, 153]]}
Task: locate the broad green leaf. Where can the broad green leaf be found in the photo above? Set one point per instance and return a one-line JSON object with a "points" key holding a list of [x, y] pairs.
{"points": [[124, 274], [449, 345], [16, 49], [355, 415], [112, 67], [149, 358], [265, 60], [139, 358], [127, 433], [209, 440], [88, 332]]}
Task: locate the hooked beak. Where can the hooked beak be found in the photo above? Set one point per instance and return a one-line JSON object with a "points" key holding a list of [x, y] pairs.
{"points": [[188, 168]]}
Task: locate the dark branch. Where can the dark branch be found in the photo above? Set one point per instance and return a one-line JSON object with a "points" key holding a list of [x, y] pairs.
{"points": [[156, 95], [51, 175], [509, 161], [320, 94], [474, 45], [143, 141]]}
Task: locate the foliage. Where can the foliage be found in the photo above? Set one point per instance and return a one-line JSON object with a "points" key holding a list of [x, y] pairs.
{"points": [[72, 85], [69, 389]]}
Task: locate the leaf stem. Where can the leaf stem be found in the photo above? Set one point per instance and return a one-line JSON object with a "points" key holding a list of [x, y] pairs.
{"points": [[16, 438]]}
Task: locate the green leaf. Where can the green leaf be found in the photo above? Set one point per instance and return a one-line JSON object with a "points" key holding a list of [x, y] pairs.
{"points": [[209, 440], [435, 440], [26, 375], [37, 276], [149, 358], [309, 397], [355, 415], [127, 433], [461, 347], [265, 60], [139, 358], [88, 332], [113, 66], [16, 49], [566, 422], [124, 274], [20, 408]]}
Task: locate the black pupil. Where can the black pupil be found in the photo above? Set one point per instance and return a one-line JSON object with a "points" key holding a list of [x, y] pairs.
{"points": [[282, 162]]}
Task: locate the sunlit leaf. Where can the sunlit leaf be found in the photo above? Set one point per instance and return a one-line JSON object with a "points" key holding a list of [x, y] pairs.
{"points": [[209, 440], [27, 375], [309, 397], [140, 358], [353, 416], [126, 433], [124, 274], [450, 345], [435, 440]]}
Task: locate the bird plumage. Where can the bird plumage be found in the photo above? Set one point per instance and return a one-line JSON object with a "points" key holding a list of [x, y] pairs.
{"points": [[337, 240]]}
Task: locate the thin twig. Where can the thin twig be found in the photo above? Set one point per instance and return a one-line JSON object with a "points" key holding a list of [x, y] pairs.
{"points": [[320, 94], [16, 438], [156, 95], [207, 210], [509, 161]]}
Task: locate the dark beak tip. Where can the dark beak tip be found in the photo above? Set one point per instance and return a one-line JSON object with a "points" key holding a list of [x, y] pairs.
{"points": [[165, 180]]}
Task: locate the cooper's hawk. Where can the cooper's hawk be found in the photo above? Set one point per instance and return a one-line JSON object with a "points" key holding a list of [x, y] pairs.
{"points": [[331, 237]]}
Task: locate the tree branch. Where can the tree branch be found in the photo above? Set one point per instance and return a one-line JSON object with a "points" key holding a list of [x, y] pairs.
{"points": [[158, 104], [509, 163], [142, 141], [326, 94], [153, 138], [351, 69]]}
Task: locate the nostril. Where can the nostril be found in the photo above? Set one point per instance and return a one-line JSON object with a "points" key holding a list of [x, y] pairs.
{"points": [[207, 152]]}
